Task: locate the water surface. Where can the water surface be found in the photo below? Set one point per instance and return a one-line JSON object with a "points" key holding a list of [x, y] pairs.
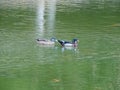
{"points": [[26, 65]]}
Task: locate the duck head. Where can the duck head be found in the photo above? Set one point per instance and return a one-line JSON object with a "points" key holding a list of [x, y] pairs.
{"points": [[53, 39], [75, 41]]}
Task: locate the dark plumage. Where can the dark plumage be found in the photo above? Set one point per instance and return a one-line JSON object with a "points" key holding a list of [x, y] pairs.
{"points": [[68, 44]]}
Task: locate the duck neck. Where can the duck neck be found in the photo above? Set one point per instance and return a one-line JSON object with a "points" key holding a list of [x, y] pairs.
{"points": [[75, 44]]}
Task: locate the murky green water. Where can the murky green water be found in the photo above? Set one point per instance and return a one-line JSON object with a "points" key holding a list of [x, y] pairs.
{"points": [[94, 65]]}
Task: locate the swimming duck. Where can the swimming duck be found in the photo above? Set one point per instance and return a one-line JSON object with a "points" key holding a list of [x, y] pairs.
{"points": [[63, 43], [46, 41]]}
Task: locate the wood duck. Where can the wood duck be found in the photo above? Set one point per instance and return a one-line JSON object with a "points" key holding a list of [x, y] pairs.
{"points": [[74, 43], [46, 41]]}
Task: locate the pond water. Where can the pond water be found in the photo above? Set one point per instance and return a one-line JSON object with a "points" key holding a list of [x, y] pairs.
{"points": [[93, 65]]}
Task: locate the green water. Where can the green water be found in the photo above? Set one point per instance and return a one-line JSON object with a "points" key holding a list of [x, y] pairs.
{"points": [[26, 65]]}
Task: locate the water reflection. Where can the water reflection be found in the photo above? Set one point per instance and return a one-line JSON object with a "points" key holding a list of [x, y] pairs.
{"points": [[49, 7], [51, 10], [40, 17], [74, 49]]}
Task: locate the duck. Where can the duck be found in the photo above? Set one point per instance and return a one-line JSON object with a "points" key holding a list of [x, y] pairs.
{"points": [[74, 43], [46, 41]]}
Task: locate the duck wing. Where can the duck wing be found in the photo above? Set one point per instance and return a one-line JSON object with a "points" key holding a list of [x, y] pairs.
{"points": [[63, 43]]}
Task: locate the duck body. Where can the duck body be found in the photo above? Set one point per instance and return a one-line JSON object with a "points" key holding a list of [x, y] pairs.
{"points": [[63, 43], [46, 42]]}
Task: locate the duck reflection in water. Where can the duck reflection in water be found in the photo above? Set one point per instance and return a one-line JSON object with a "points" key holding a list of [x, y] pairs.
{"points": [[74, 49]]}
